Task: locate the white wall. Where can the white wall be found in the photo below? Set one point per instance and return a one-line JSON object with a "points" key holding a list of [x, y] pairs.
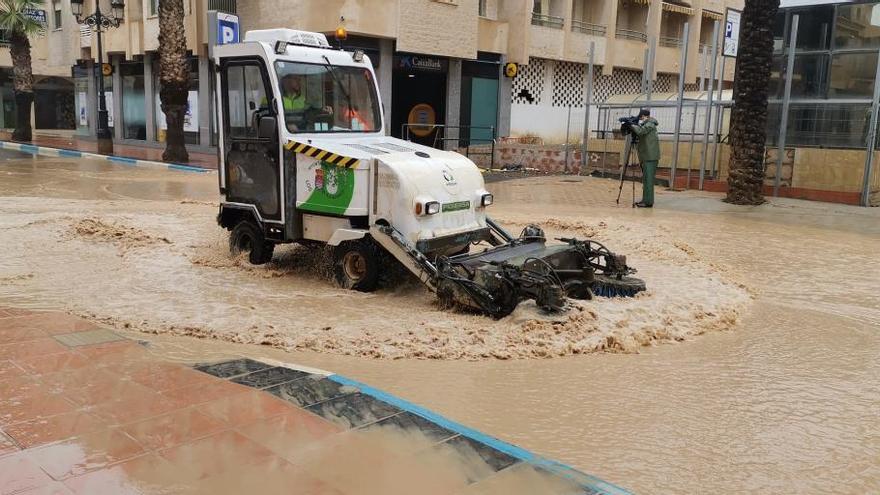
{"points": [[549, 122]]}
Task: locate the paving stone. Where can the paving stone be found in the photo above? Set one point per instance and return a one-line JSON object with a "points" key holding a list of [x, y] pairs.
{"points": [[91, 337]]}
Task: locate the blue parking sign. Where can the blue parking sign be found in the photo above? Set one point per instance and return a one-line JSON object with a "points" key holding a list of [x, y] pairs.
{"points": [[227, 28]]}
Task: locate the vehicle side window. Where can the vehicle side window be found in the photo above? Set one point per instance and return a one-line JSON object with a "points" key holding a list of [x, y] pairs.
{"points": [[246, 99]]}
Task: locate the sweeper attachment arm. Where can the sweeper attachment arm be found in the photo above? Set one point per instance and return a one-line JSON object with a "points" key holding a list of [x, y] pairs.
{"points": [[495, 280]]}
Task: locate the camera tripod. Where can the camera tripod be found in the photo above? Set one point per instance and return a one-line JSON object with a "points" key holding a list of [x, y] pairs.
{"points": [[631, 139]]}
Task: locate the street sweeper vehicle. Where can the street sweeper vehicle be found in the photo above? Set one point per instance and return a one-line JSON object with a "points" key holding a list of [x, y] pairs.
{"points": [[303, 157]]}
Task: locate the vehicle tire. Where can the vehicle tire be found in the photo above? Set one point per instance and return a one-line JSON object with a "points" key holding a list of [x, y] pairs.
{"points": [[357, 265], [246, 236]]}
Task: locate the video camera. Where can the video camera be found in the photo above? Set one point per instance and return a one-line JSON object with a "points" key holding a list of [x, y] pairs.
{"points": [[626, 122]]}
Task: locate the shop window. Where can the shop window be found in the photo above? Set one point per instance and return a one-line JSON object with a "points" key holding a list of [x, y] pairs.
{"points": [[810, 76], [857, 26], [814, 28], [852, 74], [134, 118], [779, 32], [54, 104], [821, 125]]}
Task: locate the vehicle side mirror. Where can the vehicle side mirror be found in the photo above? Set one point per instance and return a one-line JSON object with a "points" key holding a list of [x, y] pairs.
{"points": [[266, 127]]}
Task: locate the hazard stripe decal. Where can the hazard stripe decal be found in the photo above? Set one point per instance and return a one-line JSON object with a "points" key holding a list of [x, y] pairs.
{"points": [[323, 155]]}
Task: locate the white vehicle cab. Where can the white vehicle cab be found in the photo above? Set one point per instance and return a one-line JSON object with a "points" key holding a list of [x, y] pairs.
{"points": [[304, 158]]}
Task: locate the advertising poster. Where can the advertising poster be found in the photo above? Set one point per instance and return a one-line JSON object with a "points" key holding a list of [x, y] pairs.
{"points": [[82, 108], [109, 101]]}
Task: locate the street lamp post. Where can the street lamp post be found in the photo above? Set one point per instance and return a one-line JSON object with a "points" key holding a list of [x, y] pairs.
{"points": [[99, 22]]}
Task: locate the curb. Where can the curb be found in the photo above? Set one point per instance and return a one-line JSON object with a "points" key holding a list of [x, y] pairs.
{"points": [[592, 484], [121, 160]]}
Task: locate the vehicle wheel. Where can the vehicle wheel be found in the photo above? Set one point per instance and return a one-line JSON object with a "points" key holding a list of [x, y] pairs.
{"points": [[247, 237], [356, 265]]}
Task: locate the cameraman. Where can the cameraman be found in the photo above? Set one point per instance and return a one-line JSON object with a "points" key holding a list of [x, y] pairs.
{"points": [[648, 149]]}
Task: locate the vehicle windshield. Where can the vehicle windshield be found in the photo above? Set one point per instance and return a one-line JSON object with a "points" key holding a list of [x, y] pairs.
{"points": [[324, 98]]}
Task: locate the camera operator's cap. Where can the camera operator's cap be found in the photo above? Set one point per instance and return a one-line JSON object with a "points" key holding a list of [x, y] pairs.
{"points": [[644, 112]]}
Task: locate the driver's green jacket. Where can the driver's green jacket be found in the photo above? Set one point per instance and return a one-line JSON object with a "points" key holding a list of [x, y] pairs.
{"points": [[293, 103]]}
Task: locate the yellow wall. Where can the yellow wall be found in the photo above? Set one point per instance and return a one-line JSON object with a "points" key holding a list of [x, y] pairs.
{"points": [[830, 170]]}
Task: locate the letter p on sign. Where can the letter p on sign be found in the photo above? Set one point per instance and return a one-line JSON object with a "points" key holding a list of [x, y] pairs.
{"points": [[227, 28]]}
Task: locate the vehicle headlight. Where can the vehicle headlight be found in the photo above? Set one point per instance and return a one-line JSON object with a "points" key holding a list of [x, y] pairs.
{"points": [[487, 199], [432, 208]]}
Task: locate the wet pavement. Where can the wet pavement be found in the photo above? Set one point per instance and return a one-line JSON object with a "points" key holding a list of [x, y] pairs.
{"points": [[779, 398], [84, 410]]}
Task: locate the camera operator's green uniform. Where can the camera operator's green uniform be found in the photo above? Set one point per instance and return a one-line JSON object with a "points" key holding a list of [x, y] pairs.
{"points": [[648, 148]]}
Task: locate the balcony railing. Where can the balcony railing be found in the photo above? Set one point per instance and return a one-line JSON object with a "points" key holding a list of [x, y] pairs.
{"points": [[227, 6], [629, 34], [587, 27], [670, 41], [545, 20]]}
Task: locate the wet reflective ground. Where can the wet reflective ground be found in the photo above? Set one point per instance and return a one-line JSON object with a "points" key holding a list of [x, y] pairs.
{"points": [[786, 402]]}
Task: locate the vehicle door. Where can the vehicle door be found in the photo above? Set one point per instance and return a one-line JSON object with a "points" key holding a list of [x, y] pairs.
{"points": [[250, 145]]}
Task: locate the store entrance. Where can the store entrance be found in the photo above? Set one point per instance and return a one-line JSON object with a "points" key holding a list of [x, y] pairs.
{"points": [[418, 92]]}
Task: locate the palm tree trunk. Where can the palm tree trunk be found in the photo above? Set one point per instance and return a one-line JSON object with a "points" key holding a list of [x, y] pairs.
{"points": [[748, 120], [173, 77], [23, 85]]}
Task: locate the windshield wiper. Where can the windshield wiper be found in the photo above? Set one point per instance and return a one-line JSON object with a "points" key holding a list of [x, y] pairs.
{"points": [[332, 70]]}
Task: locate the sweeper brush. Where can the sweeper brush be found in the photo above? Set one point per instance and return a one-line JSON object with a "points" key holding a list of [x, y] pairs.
{"points": [[495, 280]]}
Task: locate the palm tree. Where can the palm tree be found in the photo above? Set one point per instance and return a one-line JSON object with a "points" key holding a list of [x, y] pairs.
{"points": [[173, 77], [748, 119], [15, 19]]}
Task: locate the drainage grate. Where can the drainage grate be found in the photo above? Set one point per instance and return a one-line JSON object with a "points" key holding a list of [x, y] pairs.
{"points": [[354, 410], [408, 422], [229, 369], [310, 390], [269, 377]]}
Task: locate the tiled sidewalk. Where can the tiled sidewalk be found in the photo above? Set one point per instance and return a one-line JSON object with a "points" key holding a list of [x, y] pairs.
{"points": [[85, 411], [196, 159]]}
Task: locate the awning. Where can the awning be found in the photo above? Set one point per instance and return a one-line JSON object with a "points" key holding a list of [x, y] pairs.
{"points": [[715, 16], [680, 9]]}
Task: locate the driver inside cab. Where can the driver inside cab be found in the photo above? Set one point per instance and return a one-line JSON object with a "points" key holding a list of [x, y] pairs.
{"points": [[291, 93], [299, 113]]}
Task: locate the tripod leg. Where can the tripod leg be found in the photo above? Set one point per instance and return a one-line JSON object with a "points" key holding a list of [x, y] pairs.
{"points": [[627, 149]]}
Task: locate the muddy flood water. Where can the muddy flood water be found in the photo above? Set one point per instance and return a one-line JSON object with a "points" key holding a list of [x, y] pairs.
{"points": [[752, 363]]}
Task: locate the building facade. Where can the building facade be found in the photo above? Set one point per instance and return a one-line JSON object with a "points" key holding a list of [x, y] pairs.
{"points": [[437, 61]]}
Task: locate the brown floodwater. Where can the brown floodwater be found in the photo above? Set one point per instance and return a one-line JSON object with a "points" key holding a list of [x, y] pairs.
{"points": [[770, 380]]}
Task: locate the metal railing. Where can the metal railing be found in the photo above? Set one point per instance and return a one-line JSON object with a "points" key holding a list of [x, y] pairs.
{"points": [[547, 20], [669, 41], [629, 34], [228, 6], [442, 137], [587, 27]]}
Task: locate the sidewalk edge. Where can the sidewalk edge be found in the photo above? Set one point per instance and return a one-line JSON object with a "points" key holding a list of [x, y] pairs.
{"points": [[121, 160]]}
